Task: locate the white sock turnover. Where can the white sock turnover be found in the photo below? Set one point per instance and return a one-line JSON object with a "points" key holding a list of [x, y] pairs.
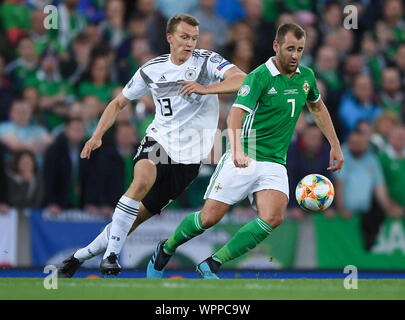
{"points": [[124, 216]]}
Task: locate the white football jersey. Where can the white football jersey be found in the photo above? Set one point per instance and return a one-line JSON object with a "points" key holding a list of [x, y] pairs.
{"points": [[183, 125]]}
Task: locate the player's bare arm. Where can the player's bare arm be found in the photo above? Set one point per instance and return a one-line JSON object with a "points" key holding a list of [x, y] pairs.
{"points": [[322, 119], [234, 122], [233, 79], [106, 121]]}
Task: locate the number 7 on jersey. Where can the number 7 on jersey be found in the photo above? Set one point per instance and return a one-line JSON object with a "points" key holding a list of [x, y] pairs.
{"points": [[293, 106]]}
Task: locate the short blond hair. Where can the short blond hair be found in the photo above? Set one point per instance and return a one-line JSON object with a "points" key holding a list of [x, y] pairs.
{"points": [[175, 20]]}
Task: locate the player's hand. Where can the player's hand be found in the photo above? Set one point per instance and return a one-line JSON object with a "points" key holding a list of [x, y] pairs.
{"points": [[192, 87], [92, 144], [240, 159], [346, 214], [54, 208], [4, 208], [330, 213], [396, 211], [296, 213], [335, 155]]}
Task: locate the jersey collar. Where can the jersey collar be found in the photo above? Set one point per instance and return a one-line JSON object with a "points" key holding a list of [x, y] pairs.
{"points": [[273, 69]]}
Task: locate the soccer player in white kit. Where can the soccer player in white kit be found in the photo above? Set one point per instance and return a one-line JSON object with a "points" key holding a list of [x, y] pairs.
{"points": [[184, 85]]}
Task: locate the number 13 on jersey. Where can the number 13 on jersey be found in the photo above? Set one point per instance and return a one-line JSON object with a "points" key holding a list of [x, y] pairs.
{"points": [[165, 107]]}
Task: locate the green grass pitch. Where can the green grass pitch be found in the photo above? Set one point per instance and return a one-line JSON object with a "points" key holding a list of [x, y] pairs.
{"points": [[200, 289]]}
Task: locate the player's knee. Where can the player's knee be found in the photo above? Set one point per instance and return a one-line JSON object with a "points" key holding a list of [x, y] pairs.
{"points": [[275, 220], [208, 221]]}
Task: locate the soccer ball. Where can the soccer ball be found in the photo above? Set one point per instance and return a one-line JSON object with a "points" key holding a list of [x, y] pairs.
{"points": [[314, 193]]}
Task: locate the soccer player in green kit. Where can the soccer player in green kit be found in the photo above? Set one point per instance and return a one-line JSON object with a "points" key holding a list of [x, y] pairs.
{"points": [[260, 127]]}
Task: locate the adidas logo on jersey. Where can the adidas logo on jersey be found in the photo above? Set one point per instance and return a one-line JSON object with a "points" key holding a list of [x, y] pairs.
{"points": [[162, 78], [272, 91]]}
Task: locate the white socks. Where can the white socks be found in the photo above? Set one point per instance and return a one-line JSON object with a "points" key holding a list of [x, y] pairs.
{"points": [[97, 246], [124, 216]]}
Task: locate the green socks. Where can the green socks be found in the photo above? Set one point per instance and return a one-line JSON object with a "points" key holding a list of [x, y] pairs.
{"points": [[189, 228], [247, 238]]}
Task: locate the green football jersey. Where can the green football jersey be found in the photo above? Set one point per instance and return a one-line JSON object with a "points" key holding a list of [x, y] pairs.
{"points": [[274, 103]]}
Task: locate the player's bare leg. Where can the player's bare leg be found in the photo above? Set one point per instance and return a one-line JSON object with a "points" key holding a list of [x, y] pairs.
{"points": [[271, 206], [192, 225], [212, 212], [143, 215], [126, 212]]}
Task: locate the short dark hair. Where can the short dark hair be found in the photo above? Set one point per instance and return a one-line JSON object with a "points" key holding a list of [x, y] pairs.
{"points": [[16, 157], [283, 29], [175, 20]]}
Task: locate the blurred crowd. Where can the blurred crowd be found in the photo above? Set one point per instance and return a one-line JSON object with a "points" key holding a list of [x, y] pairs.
{"points": [[55, 83]]}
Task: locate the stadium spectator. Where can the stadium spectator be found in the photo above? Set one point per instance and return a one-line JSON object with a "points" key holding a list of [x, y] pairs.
{"points": [[309, 153], [70, 182], [38, 4], [206, 41], [261, 28], [211, 22], [24, 181], [400, 63], [130, 64], [373, 59], [243, 55], [4, 207], [118, 157], [25, 65], [155, 25], [54, 92], [385, 122], [73, 68], [341, 40], [311, 45], [70, 22], [92, 109], [31, 96], [392, 160], [18, 134], [137, 29], [391, 97], [238, 31], [332, 19], [97, 81], [299, 6], [15, 20], [113, 28], [383, 36], [353, 66], [92, 31], [285, 17], [326, 69], [231, 10], [170, 8], [393, 19], [92, 10], [7, 91], [41, 37], [360, 188], [358, 104]]}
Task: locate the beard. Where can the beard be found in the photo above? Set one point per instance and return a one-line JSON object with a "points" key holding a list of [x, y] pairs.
{"points": [[285, 65]]}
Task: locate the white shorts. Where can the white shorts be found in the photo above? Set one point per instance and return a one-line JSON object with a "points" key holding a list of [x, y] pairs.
{"points": [[230, 184]]}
